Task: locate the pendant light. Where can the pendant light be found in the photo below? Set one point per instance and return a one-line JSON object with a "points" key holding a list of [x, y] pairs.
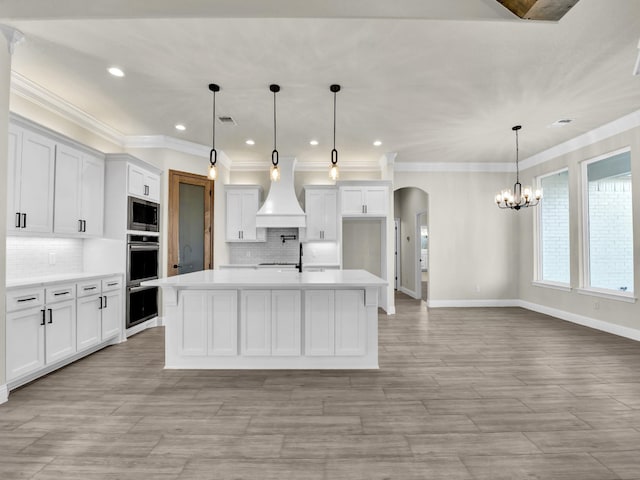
{"points": [[333, 171], [213, 154], [275, 172], [518, 198]]}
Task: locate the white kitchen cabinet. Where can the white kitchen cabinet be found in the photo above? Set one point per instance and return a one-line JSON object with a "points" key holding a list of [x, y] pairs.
{"points": [[285, 322], [60, 335], [25, 342], [30, 182], [350, 322], [255, 319], [242, 206], [143, 184], [79, 193], [210, 323], [322, 213], [361, 200], [88, 329], [319, 322], [111, 314]]}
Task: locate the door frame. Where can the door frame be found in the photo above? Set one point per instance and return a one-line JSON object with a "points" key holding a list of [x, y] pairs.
{"points": [[175, 178]]}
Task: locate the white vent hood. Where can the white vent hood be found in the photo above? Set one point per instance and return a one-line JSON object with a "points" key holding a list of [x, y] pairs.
{"points": [[281, 208]]}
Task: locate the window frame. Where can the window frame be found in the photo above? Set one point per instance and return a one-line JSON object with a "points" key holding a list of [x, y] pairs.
{"points": [[537, 267], [585, 287]]}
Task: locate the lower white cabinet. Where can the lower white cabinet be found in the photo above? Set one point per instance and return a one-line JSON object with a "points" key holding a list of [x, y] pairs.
{"points": [[209, 323], [60, 331], [89, 328], [335, 323], [285, 322], [99, 311]]}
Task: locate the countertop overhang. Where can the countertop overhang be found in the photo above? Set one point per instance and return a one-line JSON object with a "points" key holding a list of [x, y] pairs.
{"points": [[269, 278]]}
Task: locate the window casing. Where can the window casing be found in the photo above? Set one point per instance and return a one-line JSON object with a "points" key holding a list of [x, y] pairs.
{"points": [[608, 223]]}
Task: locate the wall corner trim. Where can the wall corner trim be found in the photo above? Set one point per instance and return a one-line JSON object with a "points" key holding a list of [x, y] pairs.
{"points": [[4, 394]]}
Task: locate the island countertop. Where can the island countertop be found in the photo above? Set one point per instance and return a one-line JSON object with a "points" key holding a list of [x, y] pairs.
{"points": [[220, 279]]}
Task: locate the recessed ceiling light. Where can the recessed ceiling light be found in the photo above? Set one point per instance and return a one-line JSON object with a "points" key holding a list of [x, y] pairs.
{"points": [[313, 142], [377, 143], [561, 123], [250, 142], [115, 71], [180, 127]]}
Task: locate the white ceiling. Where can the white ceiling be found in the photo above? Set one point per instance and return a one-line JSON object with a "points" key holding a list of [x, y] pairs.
{"points": [[435, 81]]}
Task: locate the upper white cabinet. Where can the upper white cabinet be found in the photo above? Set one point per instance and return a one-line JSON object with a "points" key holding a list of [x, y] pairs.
{"points": [[79, 193], [322, 213], [242, 205], [30, 182], [357, 200], [143, 184]]}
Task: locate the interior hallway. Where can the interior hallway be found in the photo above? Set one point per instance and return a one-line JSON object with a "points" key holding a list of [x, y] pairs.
{"points": [[484, 393]]}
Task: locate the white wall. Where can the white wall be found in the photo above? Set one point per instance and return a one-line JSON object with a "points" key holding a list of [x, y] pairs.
{"points": [[473, 245], [613, 312]]}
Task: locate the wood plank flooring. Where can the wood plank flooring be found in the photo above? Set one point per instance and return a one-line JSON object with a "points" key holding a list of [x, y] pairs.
{"points": [[461, 394]]}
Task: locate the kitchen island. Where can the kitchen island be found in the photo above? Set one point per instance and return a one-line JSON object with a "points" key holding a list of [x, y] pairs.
{"points": [[266, 319]]}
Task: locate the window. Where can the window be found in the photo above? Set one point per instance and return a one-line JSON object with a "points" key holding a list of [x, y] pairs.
{"points": [[608, 223], [553, 229]]}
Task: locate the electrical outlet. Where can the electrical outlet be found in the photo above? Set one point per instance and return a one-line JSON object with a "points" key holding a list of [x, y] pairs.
{"points": [[52, 258]]}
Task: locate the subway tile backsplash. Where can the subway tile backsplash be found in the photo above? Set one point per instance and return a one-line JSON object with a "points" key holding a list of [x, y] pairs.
{"points": [[36, 256], [273, 250]]}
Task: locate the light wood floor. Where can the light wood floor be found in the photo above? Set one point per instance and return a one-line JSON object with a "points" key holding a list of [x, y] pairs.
{"points": [[461, 394]]}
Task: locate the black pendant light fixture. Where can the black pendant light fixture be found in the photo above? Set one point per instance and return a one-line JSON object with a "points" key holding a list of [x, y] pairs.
{"points": [[213, 154], [333, 171], [275, 172], [519, 197]]}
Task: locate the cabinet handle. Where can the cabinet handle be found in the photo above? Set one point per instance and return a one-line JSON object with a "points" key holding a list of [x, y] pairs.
{"points": [[24, 220], [50, 315], [80, 225], [105, 301], [366, 209], [100, 307], [57, 294], [115, 283], [26, 299], [18, 220], [86, 289], [43, 317]]}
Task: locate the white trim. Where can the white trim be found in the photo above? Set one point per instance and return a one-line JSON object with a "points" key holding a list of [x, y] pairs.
{"points": [[172, 143], [472, 303], [611, 295], [25, 88], [495, 167], [608, 327], [14, 37], [565, 287], [151, 323], [411, 293], [598, 134], [4, 394]]}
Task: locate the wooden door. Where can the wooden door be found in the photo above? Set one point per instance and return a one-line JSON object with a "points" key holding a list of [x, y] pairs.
{"points": [[186, 258]]}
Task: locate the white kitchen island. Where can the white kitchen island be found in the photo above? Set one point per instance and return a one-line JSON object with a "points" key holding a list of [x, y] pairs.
{"points": [[266, 319]]}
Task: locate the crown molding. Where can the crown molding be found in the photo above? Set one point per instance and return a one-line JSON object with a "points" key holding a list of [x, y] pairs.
{"points": [[25, 88], [14, 37], [496, 167], [622, 124], [176, 144]]}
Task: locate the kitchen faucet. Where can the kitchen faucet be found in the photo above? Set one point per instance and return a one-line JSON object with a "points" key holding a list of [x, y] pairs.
{"points": [[299, 265]]}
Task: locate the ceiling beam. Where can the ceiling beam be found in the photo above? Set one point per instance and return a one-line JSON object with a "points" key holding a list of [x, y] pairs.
{"points": [[550, 10]]}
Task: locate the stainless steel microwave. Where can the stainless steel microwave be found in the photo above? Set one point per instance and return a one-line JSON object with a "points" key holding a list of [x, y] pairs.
{"points": [[143, 215]]}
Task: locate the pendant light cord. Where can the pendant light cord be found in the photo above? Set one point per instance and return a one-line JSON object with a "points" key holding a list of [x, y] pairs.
{"points": [[517, 159], [334, 120], [274, 121], [213, 138]]}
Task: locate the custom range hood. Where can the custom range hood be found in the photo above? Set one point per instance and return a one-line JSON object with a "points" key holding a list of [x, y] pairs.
{"points": [[281, 208]]}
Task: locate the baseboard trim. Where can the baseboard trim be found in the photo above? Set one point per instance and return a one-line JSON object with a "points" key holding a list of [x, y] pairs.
{"points": [[4, 394], [619, 330], [472, 303], [411, 293], [151, 323]]}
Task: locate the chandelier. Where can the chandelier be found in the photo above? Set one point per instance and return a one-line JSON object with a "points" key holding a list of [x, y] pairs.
{"points": [[518, 197]]}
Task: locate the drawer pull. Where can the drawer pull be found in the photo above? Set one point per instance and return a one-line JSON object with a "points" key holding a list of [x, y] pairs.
{"points": [[86, 289], [112, 284], [57, 294], [20, 300]]}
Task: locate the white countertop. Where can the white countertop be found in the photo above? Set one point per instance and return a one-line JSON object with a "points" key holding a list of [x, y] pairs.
{"points": [[48, 279], [268, 278]]}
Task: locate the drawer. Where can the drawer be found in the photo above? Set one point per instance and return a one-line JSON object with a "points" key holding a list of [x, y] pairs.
{"points": [[58, 293], [25, 298], [89, 287], [111, 283]]}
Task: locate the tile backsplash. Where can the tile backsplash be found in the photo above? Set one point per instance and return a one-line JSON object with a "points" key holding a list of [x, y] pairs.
{"points": [[273, 250], [36, 256]]}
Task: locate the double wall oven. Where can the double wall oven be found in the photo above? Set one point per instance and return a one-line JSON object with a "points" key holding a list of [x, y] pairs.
{"points": [[142, 261]]}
